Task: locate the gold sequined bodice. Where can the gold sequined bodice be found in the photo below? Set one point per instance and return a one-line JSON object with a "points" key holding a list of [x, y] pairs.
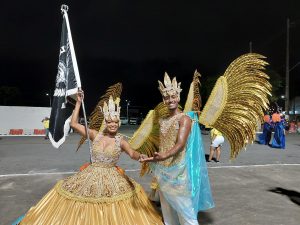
{"points": [[168, 136], [109, 155]]}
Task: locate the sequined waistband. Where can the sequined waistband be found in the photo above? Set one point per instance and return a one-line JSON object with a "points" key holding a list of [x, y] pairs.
{"points": [[103, 165]]}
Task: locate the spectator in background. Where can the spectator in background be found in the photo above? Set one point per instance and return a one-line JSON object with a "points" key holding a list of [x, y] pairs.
{"points": [[279, 131], [298, 125], [217, 140], [45, 122], [265, 137], [292, 127]]}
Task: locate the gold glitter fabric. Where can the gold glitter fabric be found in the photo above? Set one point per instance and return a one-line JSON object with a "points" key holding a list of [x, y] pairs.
{"points": [[168, 136], [99, 194], [238, 100]]}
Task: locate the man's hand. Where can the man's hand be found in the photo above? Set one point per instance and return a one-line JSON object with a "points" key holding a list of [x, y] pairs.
{"points": [[157, 157], [142, 156]]}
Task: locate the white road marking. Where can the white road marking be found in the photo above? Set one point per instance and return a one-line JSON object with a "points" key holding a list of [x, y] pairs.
{"points": [[34, 174], [135, 170], [245, 166]]}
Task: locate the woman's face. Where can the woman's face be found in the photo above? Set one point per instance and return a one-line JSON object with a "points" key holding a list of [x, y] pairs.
{"points": [[112, 125]]}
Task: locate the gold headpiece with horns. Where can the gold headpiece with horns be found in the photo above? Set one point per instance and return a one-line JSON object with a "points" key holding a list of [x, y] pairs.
{"points": [[170, 88], [111, 109]]}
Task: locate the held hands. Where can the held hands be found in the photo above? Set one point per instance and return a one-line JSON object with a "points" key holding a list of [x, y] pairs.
{"points": [[157, 157], [142, 157]]}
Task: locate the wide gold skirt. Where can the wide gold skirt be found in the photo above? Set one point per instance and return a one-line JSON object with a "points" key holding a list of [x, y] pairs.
{"points": [[61, 207]]}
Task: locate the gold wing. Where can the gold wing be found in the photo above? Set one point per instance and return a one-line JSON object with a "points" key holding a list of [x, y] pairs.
{"points": [[145, 139], [238, 100], [96, 119]]}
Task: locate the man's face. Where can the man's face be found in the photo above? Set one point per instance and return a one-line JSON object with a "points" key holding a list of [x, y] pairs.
{"points": [[171, 101]]}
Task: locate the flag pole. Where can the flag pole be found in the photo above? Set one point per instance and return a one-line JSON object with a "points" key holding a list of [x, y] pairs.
{"points": [[64, 10], [86, 130]]}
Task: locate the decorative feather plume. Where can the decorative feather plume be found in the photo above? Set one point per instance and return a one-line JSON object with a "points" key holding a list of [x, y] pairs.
{"points": [[193, 101], [96, 119], [238, 101], [167, 80]]}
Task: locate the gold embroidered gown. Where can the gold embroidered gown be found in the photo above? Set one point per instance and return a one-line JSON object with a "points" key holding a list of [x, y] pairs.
{"points": [[97, 195]]}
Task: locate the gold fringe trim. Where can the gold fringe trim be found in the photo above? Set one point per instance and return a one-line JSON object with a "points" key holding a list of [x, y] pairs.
{"points": [[54, 208]]}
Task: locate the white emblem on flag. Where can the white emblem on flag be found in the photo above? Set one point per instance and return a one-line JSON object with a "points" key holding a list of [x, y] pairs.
{"points": [[60, 90]]}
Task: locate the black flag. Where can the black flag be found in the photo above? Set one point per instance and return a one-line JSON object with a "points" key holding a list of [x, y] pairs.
{"points": [[66, 86]]}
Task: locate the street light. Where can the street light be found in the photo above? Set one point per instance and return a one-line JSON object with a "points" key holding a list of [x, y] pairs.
{"points": [[127, 105], [47, 94]]}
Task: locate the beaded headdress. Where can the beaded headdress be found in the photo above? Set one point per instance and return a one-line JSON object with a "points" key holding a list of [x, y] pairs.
{"points": [[170, 87], [111, 109]]}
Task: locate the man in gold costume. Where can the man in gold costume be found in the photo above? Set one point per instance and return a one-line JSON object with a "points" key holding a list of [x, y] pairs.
{"points": [[183, 188], [236, 103]]}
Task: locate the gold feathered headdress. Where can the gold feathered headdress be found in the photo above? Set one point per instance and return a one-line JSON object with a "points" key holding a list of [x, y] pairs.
{"points": [[170, 88], [111, 109]]}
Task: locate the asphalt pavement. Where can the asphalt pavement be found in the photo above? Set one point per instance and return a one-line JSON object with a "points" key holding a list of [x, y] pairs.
{"points": [[260, 187]]}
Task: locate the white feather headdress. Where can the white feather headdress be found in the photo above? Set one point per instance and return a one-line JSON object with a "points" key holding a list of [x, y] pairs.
{"points": [[111, 109]]}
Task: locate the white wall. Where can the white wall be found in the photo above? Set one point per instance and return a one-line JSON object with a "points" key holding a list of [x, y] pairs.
{"points": [[22, 117]]}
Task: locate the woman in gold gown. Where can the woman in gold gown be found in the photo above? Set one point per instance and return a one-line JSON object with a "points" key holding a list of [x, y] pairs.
{"points": [[99, 194]]}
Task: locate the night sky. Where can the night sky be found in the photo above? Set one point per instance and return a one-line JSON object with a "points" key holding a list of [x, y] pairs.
{"points": [[136, 41]]}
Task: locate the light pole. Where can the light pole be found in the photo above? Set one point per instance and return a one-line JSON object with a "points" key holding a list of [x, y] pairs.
{"points": [[49, 94], [287, 69], [127, 105], [293, 88]]}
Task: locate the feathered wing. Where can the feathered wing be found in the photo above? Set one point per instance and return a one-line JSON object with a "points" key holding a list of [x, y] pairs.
{"points": [[145, 139], [236, 103], [96, 119], [193, 101]]}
